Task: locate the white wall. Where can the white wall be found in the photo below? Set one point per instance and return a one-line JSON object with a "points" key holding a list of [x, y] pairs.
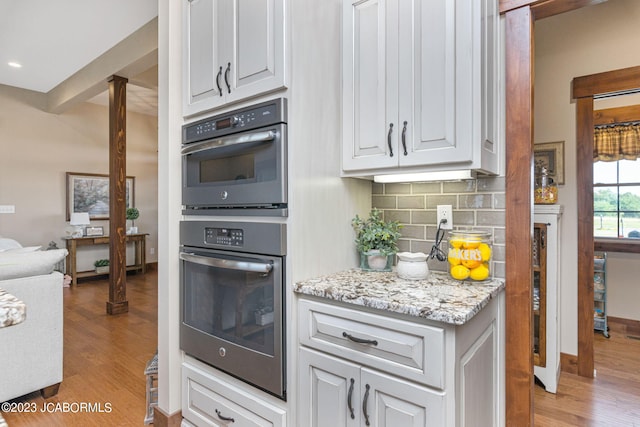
{"points": [[590, 40], [38, 148]]}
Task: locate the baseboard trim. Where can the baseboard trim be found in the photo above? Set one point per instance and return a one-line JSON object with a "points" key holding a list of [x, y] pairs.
{"points": [[162, 419], [569, 363], [632, 326]]}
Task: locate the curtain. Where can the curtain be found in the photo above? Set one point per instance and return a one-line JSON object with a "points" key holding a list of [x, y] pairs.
{"points": [[618, 142]]}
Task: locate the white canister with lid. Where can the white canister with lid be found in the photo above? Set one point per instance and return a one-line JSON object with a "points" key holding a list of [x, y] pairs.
{"points": [[412, 266]]}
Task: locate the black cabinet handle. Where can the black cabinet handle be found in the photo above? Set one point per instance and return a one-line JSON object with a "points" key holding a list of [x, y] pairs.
{"points": [[364, 406], [349, 399], [226, 76], [359, 340], [218, 81], [223, 418], [389, 140], [404, 137]]}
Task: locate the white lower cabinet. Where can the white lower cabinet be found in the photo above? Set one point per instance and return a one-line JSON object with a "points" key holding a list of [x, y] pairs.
{"points": [[338, 393], [362, 368], [210, 400]]}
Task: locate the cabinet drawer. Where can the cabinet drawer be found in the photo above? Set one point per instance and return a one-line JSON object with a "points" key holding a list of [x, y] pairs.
{"points": [[411, 350], [205, 398]]}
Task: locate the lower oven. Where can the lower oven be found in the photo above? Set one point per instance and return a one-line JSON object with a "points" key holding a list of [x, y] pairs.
{"points": [[232, 299]]}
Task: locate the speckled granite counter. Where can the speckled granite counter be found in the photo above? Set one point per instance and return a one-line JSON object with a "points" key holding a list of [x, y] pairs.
{"points": [[438, 298]]}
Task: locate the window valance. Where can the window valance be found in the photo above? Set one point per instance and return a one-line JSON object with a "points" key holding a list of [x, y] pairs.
{"points": [[618, 142]]}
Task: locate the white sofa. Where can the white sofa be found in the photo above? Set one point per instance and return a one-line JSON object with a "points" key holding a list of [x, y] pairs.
{"points": [[31, 351]]}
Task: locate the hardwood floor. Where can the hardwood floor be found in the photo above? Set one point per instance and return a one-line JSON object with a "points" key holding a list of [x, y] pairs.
{"points": [[611, 399], [104, 358]]}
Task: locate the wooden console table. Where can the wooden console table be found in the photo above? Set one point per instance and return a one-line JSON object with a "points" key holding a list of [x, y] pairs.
{"points": [[140, 264]]}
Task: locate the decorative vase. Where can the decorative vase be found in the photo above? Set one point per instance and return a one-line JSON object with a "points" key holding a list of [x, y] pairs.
{"points": [[102, 269], [375, 261], [412, 266]]}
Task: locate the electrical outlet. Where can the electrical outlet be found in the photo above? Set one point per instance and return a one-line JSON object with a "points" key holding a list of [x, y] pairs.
{"points": [[445, 212], [152, 251]]}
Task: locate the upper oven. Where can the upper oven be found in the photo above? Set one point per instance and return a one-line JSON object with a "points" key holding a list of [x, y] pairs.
{"points": [[237, 160]]}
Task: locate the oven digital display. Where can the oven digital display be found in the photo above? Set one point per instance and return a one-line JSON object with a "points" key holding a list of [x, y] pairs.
{"points": [[224, 236], [223, 124]]}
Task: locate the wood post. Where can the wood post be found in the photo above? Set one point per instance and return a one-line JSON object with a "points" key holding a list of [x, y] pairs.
{"points": [[117, 195], [519, 218]]}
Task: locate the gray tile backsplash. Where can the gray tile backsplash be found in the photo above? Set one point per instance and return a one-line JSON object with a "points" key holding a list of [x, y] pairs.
{"points": [[477, 204]]}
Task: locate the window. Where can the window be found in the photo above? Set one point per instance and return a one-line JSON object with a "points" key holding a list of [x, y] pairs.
{"points": [[616, 199]]}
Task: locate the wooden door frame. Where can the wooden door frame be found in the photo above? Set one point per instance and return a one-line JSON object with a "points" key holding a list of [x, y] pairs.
{"points": [[585, 89], [519, 79]]}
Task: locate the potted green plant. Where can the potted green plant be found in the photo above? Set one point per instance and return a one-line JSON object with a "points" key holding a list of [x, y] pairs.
{"points": [[102, 266], [132, 215], [376, 240]]}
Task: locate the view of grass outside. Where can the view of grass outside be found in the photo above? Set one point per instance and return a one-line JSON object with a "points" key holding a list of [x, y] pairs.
{"points": [[616, 199]]}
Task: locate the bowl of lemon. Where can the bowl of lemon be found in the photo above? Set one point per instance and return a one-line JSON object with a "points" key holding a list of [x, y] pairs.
{"points": [[469, 255]]}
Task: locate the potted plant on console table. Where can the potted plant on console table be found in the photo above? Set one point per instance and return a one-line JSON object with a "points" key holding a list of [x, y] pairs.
{"points": [[376, 240]]}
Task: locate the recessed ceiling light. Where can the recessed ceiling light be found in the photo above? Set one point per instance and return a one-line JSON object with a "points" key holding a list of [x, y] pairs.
{"points": [[15, 65]]}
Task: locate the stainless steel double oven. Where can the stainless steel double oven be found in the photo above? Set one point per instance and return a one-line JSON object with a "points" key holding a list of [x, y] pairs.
{"points": [[233, 272]]}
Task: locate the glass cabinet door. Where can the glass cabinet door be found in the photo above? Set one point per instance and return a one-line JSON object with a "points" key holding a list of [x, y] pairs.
{"points": [[539, 293]]}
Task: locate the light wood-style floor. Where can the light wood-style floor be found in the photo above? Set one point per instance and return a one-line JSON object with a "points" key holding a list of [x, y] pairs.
{"points": [[104, 357], [611, 399]]}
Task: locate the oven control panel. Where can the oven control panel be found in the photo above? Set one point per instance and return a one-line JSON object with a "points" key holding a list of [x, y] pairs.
{"points": [[224, 236], [256, 116]]}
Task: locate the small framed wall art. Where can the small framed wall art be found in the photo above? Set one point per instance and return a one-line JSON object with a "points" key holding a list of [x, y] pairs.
{"points": [[551, 156]]}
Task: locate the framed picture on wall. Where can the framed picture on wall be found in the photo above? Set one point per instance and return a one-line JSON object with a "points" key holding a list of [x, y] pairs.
{"points": [[551, 156], [88, 192]]}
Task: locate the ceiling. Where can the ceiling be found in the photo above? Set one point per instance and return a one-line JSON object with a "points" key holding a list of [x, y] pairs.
{"points": [[55, 40]]}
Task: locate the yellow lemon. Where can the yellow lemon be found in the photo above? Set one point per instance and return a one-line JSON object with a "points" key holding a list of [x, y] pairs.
{"points": [[454, 257], [479, 273], [471, 263], [485, 251], [459, 272], [456, 243], [470, 244]]}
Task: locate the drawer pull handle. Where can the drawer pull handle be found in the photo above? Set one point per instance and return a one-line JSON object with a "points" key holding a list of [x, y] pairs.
{"points": [[364, 406], [349, 399], [359, 340], [404, 137], [223, 418]]}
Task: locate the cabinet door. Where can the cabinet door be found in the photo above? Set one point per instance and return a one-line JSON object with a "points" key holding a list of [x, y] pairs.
{"points": [[370, 94], [436, 81], [201, 46], [329, 393], [391, 402], [256, 60]]}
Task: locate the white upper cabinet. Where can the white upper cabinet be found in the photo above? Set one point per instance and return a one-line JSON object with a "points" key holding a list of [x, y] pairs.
{"points": [[421, 85], [233, 50]]}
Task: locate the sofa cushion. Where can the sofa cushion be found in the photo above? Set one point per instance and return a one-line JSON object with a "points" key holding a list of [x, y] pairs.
{"points": [[25, 264]]}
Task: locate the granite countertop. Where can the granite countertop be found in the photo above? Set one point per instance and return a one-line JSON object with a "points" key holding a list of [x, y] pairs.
{"points": [[438, 297]]}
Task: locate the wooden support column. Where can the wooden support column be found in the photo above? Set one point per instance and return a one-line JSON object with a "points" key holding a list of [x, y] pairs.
{"points": [[519, 219], [117, 303]]}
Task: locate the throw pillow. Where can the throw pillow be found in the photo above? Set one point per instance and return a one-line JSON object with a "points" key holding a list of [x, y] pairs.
{"points": [[6, 243]]}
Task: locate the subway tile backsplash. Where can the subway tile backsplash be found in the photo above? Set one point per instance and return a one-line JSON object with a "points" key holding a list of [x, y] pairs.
{"points": [[477, 204]]}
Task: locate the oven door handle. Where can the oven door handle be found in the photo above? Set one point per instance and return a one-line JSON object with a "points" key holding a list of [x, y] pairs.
{"points": [[251, 138], [229, 264]]}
